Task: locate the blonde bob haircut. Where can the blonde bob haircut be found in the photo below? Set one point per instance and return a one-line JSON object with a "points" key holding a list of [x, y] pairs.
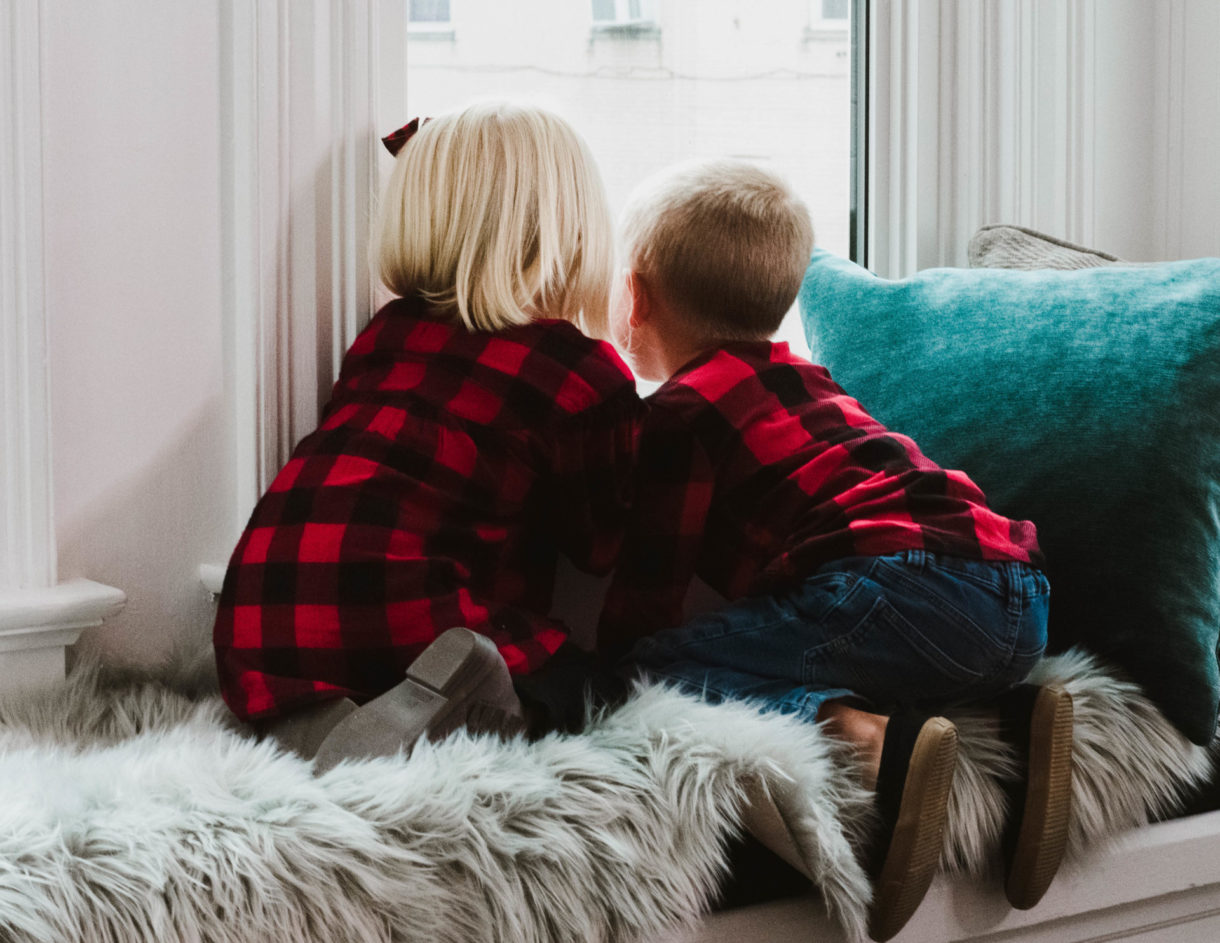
{"points": [[497, 215], [724, 242]]}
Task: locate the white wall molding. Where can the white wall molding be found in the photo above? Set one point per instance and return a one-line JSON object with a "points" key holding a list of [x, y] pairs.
{"points": [[73, 605], [27, 535], [300, 84], [38, 618], [37, 626], [981, 113]]}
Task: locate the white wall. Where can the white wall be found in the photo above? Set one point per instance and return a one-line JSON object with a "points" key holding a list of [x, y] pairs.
{"points": [[1185, 128], [1156, 164], [131, 179]]}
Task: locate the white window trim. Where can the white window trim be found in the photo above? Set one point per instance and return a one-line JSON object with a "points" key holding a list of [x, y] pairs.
{"points": [[300, 173], [303, 82], [27, 537], [39, 616]]}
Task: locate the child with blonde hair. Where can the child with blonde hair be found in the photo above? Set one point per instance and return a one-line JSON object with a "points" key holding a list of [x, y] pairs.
{"points": [[399, 569], [867, 586]]}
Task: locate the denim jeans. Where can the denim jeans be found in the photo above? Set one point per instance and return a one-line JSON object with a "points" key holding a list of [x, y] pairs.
{"points": [[911, 629]]}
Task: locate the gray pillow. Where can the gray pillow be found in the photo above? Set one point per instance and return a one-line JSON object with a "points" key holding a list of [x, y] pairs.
{"points": [[1016, 247]]}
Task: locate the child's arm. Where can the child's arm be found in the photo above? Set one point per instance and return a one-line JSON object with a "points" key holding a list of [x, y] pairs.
{"points": [[674, 487]]}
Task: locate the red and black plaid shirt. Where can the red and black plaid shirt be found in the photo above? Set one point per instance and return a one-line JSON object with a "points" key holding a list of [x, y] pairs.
{"points": [[755, 468], [449, 471]]}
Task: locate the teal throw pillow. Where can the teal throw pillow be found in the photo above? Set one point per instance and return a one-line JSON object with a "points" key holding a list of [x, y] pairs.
{"points": [[1086, 401]]}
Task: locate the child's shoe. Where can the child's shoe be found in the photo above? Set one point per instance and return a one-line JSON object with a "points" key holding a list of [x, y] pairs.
{"points": [[458, 680], [1038, 721], [916, 773]]}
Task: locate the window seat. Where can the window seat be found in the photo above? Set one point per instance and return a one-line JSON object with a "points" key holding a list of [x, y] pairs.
{"points": [[1156, 883]]}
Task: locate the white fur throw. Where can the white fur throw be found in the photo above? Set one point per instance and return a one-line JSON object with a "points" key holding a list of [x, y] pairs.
{"points": [[136, 811], [135, 814]]}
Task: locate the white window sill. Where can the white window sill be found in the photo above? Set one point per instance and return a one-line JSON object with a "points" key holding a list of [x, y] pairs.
{"points": [[1160, 882]]}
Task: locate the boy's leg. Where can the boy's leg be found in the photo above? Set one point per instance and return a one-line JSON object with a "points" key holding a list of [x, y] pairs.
{"points": [[947, 629], [757, 646], [908, 760], [559, 695], [903, 630], [900, 631], [988, 622]]}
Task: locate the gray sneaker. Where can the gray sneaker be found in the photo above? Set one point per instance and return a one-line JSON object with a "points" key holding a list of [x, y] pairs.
{"points": [[459, 680]]}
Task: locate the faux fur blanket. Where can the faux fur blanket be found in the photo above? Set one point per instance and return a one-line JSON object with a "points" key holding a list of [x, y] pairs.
{"points": [[137, 811]]}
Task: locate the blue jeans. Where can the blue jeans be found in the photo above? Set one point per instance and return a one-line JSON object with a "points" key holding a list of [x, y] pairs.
{"points": [[911, 629]]}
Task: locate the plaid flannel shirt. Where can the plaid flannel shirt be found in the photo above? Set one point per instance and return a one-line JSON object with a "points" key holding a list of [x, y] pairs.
{"points": [[755, 468], [449, 471]]}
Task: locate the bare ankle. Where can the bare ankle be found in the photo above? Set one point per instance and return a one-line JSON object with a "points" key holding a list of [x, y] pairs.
{"points": [[865, 731]]}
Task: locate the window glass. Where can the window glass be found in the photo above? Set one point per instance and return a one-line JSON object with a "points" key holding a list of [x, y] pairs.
{"points": [[428, 11], [621, 11], [604, 10], [835, 9], [678, 79]]}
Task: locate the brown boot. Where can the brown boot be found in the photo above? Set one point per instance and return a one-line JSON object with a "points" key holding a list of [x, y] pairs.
{"points": [[1038, 721], [917, 764], [458, 680]]}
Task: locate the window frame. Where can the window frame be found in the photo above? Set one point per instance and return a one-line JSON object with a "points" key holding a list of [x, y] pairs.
{"points": [[858, 211]]}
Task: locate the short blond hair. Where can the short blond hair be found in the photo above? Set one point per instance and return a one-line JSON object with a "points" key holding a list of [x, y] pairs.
{"points": [[497, 214], [725, 242]]}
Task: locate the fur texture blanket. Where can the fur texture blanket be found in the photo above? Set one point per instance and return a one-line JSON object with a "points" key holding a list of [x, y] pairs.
{"points": [[136, 810]]}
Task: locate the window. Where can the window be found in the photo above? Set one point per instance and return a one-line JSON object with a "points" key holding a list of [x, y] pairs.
{"points": [[835, 9], [429, 19], [428, 11], [828, 17], [624, 19], [622, 12], [716, 78]]}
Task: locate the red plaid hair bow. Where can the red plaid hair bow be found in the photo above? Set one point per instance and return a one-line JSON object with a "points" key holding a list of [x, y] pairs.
{"points": [[396, 141]]}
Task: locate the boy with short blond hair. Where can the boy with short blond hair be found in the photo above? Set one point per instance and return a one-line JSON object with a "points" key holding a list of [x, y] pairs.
{"points": [[867, 586]]}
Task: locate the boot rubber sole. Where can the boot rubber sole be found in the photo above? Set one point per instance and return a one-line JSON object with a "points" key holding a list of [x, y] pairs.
{"points": [[1046, 816], [913, 856], [437, 683]]}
